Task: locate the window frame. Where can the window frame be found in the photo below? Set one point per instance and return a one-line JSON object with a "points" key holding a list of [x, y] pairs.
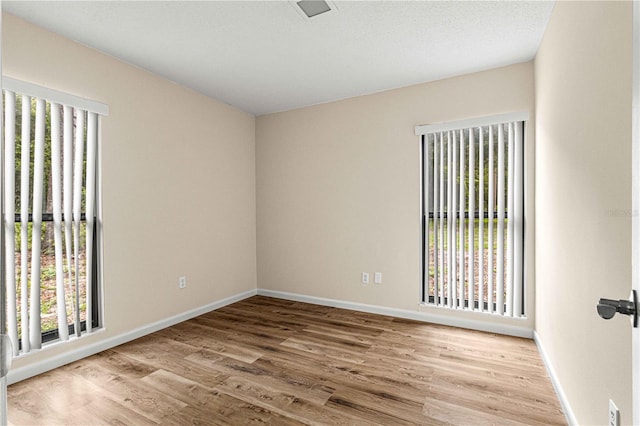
{"points": [[96, 312], [426, 298]]}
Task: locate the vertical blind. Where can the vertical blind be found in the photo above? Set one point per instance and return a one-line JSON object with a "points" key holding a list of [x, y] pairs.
{"points": [[49, 213], [472, 214]]}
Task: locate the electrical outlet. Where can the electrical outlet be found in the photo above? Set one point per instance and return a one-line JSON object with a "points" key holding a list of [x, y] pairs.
{"points": [[614, 414], [377, 278], [182, 282], [365, 278]]}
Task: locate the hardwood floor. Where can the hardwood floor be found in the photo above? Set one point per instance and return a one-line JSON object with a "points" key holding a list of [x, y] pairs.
{"points": [[270, 361]]}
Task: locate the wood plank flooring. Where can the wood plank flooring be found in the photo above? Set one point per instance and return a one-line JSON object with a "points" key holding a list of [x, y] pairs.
{"points": [[269, 361]]}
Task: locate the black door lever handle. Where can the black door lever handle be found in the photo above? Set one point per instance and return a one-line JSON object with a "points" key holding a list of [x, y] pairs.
{"points": [[607, 308]]}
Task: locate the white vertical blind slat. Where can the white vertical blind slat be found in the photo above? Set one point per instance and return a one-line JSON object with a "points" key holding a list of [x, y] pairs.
{"points": [[38, 183], [450, 285], [471, 208], [77, 204], [510, 188], [440, 245], [461, 214], [481, 221], [425, 215], [67, 194], [56, 188], [9, 219], [500, 245], [431, 210], [451, 219], [25, 159], [437, 256], [92, 142], [491, 206], [518, 220]]}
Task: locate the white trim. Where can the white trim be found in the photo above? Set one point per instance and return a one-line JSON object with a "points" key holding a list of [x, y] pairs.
{"points": [[3, 379], [472, 324], [472, 122], [26, 88], [22, 373], [562, 397]]}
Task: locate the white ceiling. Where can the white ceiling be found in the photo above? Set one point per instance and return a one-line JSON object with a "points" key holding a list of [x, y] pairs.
{"points": [[263, 56]]}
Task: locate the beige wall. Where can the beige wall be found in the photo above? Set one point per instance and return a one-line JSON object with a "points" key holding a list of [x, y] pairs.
{"points": [[583, 238], [178, 182], [338, 186]]}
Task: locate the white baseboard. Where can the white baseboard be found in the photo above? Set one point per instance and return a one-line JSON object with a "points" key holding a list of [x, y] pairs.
{"points": [[562, 397], [472, 324], [22, 373]]}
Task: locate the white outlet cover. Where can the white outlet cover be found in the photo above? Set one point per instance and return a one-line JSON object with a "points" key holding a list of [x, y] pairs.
{"points": [[614, 414], [377, 278], [365, 278]]}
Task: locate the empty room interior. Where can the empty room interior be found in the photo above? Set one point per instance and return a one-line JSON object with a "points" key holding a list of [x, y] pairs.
{"points": [[281, 212]]}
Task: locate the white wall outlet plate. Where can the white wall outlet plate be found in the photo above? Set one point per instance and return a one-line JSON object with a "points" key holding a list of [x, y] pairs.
{"points": [[365, 278], [377, 278], [614, 414], [182, 282]]}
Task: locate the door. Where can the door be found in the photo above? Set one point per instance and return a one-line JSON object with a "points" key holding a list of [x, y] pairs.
{"points": [[636, 205], [608, 308]]}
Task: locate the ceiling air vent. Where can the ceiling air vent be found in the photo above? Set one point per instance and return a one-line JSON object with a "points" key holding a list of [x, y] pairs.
{"points": [[312, 8]]}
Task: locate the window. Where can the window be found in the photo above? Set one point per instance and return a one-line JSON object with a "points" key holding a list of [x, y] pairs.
{"points": [[472, 215], [50, 215]]}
